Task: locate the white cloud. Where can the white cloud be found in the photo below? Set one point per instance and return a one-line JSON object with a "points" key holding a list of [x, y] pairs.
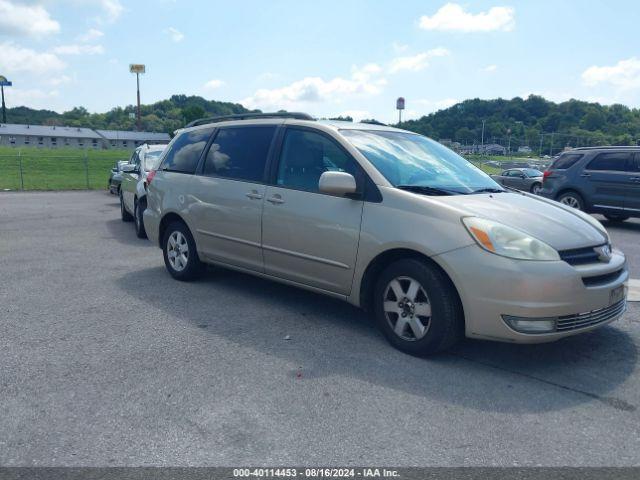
{"points": [[453, 17], [91, 35], [78, 50], [57, 81], [364, 81], [112, 9], [213, 84], [34, 98], [25, 19], [416, 62], [489, 68], [625, 74], [175, 34], [399, 47], [15, 58]]}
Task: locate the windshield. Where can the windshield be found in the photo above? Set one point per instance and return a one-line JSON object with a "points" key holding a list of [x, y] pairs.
{"points": [[410, 160], [152, 160]]}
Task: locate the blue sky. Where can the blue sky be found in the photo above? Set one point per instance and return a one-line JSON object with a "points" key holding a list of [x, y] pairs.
{"points": [[323, 57]]}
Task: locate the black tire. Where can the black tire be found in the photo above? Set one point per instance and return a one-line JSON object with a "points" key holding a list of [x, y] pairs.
{"points": [[536, 186], [194, 267], [126, 216], [446, 323], [138, 210], [616, 218], [572, 197]]}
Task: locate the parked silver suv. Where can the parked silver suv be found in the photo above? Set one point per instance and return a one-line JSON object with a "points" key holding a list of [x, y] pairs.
{"points": [[387, 220]]}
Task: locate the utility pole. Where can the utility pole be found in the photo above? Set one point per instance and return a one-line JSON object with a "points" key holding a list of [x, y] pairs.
{"points": [[4, 83], [551, 145], [540, 149], [137, 68], [482, 140]]}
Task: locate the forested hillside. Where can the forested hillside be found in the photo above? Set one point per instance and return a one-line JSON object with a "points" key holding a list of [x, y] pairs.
{"points": [[533, 121], [528, 121], [163, 116]]}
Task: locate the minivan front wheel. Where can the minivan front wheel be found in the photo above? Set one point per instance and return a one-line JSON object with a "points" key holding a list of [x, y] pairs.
{"points": [[179, 251], [572, 199], [417, 308]]}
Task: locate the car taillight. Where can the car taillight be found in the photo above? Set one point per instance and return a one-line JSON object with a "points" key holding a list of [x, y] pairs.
{"points": [[150, 175], [546, 174]]}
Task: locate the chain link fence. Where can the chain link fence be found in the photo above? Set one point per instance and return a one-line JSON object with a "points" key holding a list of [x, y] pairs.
{"points": [[34, 171]]}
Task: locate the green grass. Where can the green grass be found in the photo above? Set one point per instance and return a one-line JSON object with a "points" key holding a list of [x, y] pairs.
{"points": [[75, 169], [56, 169]]}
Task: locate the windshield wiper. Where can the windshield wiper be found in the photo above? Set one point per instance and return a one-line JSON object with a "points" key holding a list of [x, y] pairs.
{"points": [[428, 190], [489, 190]]}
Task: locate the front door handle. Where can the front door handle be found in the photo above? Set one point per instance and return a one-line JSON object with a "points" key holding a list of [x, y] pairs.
{"points": [[635, 179], [585, 175], [275, 199], [254, 195]]}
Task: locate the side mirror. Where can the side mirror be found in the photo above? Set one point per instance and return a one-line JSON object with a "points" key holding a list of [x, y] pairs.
{"points": [[337, 183], [129, 168]]}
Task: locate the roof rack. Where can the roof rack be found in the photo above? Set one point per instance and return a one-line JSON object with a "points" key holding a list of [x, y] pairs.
{"points": [[248, 116], [605, 147]]}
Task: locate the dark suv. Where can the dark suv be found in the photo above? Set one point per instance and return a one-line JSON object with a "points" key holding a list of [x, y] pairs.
{"points": [[602, 180]]}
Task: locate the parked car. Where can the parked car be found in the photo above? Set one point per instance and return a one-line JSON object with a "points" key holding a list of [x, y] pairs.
{"points": [[387, 220], [135, 178], [602, 180], [115, 177], [526, 179]]}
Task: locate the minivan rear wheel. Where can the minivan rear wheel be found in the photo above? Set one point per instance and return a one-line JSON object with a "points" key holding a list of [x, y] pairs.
{"points": [[416, 308], [572, 199], [138, 210], [126, 216], [180, 255]]}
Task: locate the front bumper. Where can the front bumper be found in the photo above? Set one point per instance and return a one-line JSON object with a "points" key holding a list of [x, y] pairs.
{"points": [[492, 287]]}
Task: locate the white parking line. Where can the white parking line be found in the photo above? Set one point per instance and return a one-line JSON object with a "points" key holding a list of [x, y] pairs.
{"points": [[634, 290]]}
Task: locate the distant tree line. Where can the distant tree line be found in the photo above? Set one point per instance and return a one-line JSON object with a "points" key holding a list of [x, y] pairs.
{"points": [[164, 116], [533, 122]]}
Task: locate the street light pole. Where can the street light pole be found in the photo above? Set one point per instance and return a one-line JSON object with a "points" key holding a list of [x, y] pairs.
{"points": [[4, 83], [4, 107], [138, 91], [137, 68]]}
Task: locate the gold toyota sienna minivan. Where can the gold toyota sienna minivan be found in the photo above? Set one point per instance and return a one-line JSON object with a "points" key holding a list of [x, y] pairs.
{"points": [[387, 220]]}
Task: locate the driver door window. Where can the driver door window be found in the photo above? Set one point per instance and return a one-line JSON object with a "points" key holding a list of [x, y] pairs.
{"points": [[306, 156]]}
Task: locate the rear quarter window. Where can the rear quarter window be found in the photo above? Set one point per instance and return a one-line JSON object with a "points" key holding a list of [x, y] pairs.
{"points": [[565, 161], [184, 152]]}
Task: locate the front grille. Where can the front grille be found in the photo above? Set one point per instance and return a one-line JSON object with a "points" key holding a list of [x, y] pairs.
{"points": [[598, 280], [589, 319], [580, 256]]}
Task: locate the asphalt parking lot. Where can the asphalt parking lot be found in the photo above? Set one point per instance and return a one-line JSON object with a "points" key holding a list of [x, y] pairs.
{"points": [[108, 361]]}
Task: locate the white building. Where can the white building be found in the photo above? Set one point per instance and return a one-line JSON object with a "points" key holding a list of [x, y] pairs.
{"points": [[15, 135]]}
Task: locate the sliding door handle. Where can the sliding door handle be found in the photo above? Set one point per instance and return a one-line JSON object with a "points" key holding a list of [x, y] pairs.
{"points": [[254, 195], [275, 199]]}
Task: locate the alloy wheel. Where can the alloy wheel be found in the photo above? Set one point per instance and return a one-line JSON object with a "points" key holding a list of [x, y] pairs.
{"points": [[177, 251], [407, 308], [570, 201]]}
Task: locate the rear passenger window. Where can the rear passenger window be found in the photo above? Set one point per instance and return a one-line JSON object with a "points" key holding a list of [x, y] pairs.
{"points": [[240, 153], [184, 152], [616, 161], [306, 156], [566, 161]]}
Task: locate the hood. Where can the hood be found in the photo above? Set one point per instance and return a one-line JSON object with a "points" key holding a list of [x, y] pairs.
{"points": [[561, 228]]}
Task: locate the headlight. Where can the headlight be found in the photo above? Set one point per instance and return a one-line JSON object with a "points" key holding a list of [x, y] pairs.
{"points": [[507, 241]]}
